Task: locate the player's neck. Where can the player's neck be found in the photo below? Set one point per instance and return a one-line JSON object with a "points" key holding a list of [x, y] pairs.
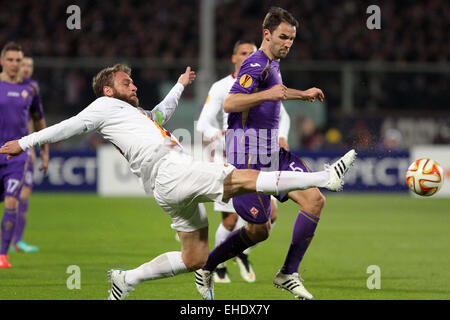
{"points": [[5, 77], [265, 48]]}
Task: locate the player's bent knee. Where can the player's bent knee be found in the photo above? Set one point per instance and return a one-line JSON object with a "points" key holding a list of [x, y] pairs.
{"points": [[229, 220], [11, 202], [258, 232]]}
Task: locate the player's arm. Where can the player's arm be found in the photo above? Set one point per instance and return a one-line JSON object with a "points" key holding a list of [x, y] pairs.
{"points": [[307, 95], [164, 110], [30, 131], [240, 102], [39, 124], [283, 128], [58, 132], [90, 119], [207, 122]]}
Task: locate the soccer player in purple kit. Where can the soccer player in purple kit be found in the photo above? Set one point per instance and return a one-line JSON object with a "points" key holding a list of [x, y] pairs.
{"points": [[19, 245], [18, 100], [254, 107]]}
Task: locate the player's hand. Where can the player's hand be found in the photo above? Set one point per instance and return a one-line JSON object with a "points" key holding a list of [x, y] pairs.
{"points": [[277, 92], [283, 143], [187, 77], [11, 148], [313, 93]]}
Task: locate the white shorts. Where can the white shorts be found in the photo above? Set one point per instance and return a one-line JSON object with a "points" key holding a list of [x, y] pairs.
{"points": [[181, 183]]}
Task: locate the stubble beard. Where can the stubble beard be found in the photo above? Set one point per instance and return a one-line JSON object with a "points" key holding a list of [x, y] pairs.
{"points": [[133, 100]]}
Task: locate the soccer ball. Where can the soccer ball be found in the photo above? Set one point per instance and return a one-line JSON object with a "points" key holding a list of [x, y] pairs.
{"points": [[424, 177]]}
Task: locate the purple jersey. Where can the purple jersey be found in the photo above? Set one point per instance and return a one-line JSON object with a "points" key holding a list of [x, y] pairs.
{"points": [[17, 102], [255, 131]]}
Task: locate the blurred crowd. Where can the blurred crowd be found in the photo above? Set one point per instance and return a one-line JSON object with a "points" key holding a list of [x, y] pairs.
{"points": [[169, 29], [411, 31]]}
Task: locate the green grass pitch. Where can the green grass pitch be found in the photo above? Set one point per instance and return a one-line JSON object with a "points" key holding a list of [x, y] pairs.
{"points": [[407, 238]]}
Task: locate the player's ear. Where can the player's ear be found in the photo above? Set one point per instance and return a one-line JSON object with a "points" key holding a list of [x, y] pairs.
{"points": [[266, 34], [108, 91], [233, 59]]}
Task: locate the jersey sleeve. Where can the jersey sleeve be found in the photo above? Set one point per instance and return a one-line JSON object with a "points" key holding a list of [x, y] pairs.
{"points": [[90, 119], [284, 123], [36, 108], [208, 123], [164, 110], [249, 78], [93, 116]]}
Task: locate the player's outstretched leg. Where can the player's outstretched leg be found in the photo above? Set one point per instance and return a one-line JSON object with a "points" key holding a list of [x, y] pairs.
{"points": [[338, 169]]}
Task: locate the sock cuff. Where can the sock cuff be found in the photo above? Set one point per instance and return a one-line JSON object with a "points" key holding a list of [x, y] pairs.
{"points": [[310, 216], [245, 238], [176, 262], [11, 211]]}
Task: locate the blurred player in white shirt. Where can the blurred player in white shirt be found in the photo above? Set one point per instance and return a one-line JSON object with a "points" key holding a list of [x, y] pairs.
{"points": [[213, 124], [178, 182]]}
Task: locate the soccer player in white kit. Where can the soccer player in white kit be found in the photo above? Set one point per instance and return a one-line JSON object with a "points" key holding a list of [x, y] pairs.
{"points": [[212, 123], [177, 181]]}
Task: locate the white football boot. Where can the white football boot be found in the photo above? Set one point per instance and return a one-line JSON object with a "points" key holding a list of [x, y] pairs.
{"points": [[245, 268], [220, 274], [293, 284], [119, 288], [204, 284], [338, 170]]}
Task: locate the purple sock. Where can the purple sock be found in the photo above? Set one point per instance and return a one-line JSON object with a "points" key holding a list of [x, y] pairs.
{"points": [[236, 242], [303, 232], [8, 222], [21, 220]]}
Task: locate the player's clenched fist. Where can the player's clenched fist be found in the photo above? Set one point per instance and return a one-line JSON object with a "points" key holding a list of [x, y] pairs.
{"points": [[277, 92], [11, 148], [187, 77]]}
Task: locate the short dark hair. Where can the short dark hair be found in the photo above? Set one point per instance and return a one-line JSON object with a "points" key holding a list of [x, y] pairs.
{"points": [[105, 78], [11, 46], [275, 16], [239, 42]]}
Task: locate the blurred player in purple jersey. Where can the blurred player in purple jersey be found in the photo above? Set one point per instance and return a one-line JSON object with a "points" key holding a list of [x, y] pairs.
{"points": [[19, 245], [251, 143], [19, 100]]}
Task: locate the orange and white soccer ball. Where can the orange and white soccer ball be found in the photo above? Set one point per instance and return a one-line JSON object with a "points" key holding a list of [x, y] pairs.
{"points": [[424, 177]]}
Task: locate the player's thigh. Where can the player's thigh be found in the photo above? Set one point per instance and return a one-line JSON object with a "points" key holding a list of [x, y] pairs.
{"points": [[253, 207], [184, 179], [309, 200], [12, 184]]}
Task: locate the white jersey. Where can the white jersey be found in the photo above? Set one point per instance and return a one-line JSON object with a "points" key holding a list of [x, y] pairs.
{"points": [[133, 131]]}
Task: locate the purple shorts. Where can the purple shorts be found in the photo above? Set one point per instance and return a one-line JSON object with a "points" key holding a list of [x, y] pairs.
{"points": [[255, 207], [12, 176]]}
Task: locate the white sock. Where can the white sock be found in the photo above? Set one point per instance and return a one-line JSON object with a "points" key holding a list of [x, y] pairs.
{"points": [[279, 182], [221, 234], [166, 265]]}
